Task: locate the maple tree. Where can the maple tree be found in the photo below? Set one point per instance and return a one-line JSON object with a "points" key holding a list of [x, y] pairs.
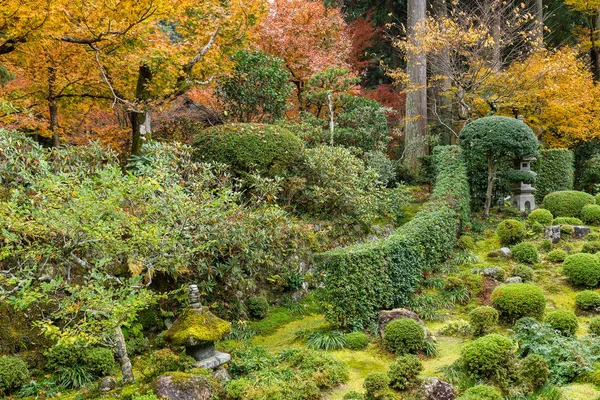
{"points": [[591, 9]]}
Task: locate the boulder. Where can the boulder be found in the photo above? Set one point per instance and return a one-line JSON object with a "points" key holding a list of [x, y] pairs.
{"points": [[387, 316], [182, 386], [514, 279], [494, 272], [221, 375], [107, 384], [579, 231], [552, 232], [503, 252], [435, 389]]}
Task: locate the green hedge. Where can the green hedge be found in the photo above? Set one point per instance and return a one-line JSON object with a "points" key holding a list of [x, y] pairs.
{"points": [[555, 171], [361, 280]]}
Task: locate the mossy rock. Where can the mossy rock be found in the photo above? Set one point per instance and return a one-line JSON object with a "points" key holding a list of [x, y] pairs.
{"points": [[197, 326]]}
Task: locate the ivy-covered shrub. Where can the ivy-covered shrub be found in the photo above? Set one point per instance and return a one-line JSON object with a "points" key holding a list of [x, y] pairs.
{"points": [[258, 307], [13, 374], [518, 300], [567, 203], [591, 247], [588, 300], [483, 320], [404, 372], [590, 214], [525, 253], [376, 384], [404, 335], [523, 271], [564, 321], [356, 340], [269, 149], [567, 221], [557, 255], [534, 371], [481, 392], [594, 327], [540, 215], [465, 242], [511, 231], [488, 357], [582, 269], [555, 171]]}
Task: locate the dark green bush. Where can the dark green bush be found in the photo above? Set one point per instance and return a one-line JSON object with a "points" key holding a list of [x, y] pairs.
{"points": [[557, 255], [63, 356], [564, 321], [404, 372], [555, 171], [13, 374], [587, 300], [137, 345], [258, 307], [591, 247], [489, 357], [356, 340], [481, 392], [354, 395], [269, 149], [567, 221], [99, 361], [375, 385], [511, 231], [483, 320], [465, 243], [534, 371], [518, 300], [404, 335], [590, 214], [582, 269], [525, 252], [525, 272], [594, 327], [540, 215], [567, 203]]}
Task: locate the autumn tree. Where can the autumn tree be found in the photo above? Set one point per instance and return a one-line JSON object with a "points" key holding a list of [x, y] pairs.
{"points": [[591, 9], [23, 20]]}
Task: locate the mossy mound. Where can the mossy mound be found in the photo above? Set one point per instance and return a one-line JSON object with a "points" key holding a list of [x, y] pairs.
{"points": [[197, 326]]}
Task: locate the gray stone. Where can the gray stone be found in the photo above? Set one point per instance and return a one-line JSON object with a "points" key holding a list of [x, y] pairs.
{"points": [[505, 252], [579, 231], [107, 384], [221, 375], [387, 316], [435, 389], [514, 279], [552, 233], [182, 386], [494, 272], [215, 361], [201, 350]]}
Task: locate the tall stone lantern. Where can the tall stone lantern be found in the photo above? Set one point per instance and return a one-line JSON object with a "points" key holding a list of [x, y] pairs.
{"points": [[522, 197]]}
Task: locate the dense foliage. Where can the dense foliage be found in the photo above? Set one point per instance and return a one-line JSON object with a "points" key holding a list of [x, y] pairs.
{"points": [[404, 335], [582, 269], [555, 172], [568, 203], [517, 300]]}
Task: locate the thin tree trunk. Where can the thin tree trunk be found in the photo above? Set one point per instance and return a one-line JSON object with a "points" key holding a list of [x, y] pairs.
{"points": [[331, 122], [492, 169], [53, 106], [416, 96], [440, 68], [140, 120], [121, 350], [594, 50], [539, 15]]}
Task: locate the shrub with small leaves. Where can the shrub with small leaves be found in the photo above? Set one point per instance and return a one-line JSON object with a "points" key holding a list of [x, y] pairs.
{"points": [[594, 327], [404, 372], [258, 307], [13, 374], [481, 392], [590, 214], [354, 395], [546, 245], [541, 216], [523, 271], [582, 269], [588, 300], [511, 231], [99, 361], [591, 247], [166, 360], [525, 252], [537, 228], [567, 221], [465, 242], [375, 385], [567, 230], [356, 340], [564, 321], [489, 357], [593, 237], [404, 335], [518, 300], [483, 320], [567, 203], [534, 371], [557, 255]]}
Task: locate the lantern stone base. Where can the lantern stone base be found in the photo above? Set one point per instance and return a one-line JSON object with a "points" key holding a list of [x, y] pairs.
{"points": [[525, 202], [206, 355]]}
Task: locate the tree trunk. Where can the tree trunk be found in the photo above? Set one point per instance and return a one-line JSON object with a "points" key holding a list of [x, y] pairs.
{"points": [[539, 15], [121, 350], [492, 169], [440, 68], [53, 106], [594, 50], [141, 120], [331, 122], [416, 96]]}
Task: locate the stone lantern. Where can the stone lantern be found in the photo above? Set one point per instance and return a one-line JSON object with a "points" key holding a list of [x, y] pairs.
{"points": [[522, 197], [198, 329]]}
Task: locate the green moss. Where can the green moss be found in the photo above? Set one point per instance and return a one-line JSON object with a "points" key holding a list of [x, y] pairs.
{"points": [[201, 325]]}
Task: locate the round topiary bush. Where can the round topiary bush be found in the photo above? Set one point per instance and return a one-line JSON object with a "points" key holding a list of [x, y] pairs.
{"points": [[100, 361], [587, 300], [13, 374], [567, 230], [511, 231], [518, 300], [356, 340], [541, 216], [269, 149], [534, 371], [354, 395], [483, 320], [594, 327], [567, 203], [567, 221], [564, 321], [258, 307], [523, 271], [481, 392], [488, 356], [593, 237], [557, 255], [403, 336], [375, 385], [591, 247], [582, 269], [404, 372], [465, 242], [525, 252], [590, 214]]}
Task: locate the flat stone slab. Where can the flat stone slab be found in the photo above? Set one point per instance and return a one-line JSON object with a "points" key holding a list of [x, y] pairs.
{"points": [[215, 361]]}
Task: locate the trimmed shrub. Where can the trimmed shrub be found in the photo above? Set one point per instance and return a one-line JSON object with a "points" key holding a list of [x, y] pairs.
{"points": [[593, 237], [258, 307], [465, 243], [594, 327], [375, 385], [63, 356], [557, 255], [518, 300], [567, 203], [588, 300], [567, 221], [488, 357], [404, 335], [13, 374], [483, 320], [537, 228], [534, 371], [354, 395], [564, 321], [404, 372], [566, 230], [546, 245], [591, 247], [555, 171], [481, 392], [356, 340], [582, 269], [541, 216], [269, 149], [525, 252], [523, 271], [511, 231], [99, 361], [590, 214]]}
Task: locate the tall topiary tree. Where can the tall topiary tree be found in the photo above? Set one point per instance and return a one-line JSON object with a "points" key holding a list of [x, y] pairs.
{"points": [[497, 138]]}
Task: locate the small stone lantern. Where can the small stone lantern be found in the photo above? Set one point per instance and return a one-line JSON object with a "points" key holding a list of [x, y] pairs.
{"points": [[198, 329], [522, 197]]}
